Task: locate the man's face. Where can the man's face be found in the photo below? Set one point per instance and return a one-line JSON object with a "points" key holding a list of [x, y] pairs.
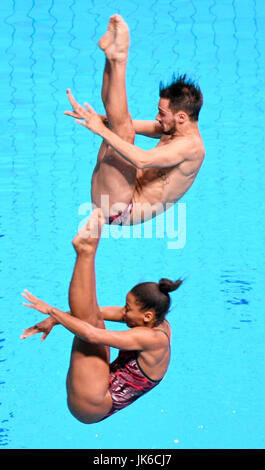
{"points": [[166, 117]]}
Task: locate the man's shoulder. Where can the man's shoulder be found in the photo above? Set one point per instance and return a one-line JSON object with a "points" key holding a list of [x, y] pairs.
{"points": [[190, 145]]}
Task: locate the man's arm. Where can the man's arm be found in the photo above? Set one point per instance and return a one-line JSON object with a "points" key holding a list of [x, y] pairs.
{"points": [[162, 156], [159, 157], [148, 128]]}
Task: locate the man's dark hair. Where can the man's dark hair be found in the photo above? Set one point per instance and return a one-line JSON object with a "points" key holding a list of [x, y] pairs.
{"points": [[184, 95]]}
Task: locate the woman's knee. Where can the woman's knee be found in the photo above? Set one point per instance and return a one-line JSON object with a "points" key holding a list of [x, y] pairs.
{"points": [[90, 410], [84, 418]]}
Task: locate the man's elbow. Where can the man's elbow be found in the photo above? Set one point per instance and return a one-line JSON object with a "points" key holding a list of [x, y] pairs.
{"points": [[144, 165], [145, 161], [141, 165]]}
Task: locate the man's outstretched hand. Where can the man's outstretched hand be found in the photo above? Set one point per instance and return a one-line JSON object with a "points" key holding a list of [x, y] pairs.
{"points": [[86, 116]]}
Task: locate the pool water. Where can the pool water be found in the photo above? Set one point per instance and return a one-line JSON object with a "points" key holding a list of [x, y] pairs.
{"points": [[213, 393]]}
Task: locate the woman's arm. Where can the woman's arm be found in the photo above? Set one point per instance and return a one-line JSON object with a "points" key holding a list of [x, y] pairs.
{"points": [[138, 338], [113, 313], [45, 326]]}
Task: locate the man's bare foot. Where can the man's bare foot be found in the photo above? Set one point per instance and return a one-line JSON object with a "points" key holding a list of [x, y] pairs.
{"points": [[115, 42], [86, 241]]}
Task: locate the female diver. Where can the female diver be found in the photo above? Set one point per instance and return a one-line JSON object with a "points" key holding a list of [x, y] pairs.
{"points": [[97, 389]]}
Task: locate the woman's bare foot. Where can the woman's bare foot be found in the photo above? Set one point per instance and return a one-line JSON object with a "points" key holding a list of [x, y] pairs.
{"points": [[86, 241], [115, 42], [108, 38]]}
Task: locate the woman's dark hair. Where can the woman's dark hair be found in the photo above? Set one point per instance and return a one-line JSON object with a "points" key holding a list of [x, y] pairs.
{"points": [[155, 296], [184, 95]]}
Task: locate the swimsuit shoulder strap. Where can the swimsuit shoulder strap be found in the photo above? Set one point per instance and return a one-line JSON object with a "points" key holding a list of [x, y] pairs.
{"points": [[163, 331]]}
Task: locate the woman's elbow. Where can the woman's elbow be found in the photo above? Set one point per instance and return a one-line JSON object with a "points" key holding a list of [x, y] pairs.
{"points": [[88, 335]]}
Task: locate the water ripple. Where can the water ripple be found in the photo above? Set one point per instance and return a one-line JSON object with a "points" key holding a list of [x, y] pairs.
{"points": [[236, 293]]}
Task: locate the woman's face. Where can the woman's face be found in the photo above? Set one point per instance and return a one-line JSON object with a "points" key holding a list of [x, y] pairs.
{"points": [[133, 315]]}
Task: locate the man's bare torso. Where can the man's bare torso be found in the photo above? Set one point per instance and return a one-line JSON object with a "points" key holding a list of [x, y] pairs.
{"points": [[168, 185], [153, 187]]}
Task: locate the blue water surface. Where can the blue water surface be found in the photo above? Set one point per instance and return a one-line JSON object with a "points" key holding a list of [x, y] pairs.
{"points": [[213, 393]]}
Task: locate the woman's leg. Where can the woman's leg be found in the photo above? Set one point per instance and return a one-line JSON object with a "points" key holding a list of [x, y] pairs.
{"points": [[88, 377]]}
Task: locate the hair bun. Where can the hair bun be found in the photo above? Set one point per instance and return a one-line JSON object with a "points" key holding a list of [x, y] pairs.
{"points": [[166, 285]]}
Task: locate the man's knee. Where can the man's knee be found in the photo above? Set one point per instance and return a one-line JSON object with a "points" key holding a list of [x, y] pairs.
{"points": [[125, 131], [122, 125], [129, 135]]}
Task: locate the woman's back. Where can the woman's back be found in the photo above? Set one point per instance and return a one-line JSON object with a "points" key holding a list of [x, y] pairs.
{"points": [[154, 362]]}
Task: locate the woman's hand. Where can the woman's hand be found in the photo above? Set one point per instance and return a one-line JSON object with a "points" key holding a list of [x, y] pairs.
{"points": [[36, 303], [44, 327]]}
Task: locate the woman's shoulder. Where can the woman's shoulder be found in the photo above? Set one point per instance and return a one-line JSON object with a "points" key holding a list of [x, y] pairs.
{"points": [[165, 328]]}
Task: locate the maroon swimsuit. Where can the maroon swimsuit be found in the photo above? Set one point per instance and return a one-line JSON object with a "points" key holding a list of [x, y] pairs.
{"points": [[127, 380]]}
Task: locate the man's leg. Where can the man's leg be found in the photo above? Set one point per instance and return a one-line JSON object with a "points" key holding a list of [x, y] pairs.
{"points": [[104, 43], [115, 44], [105, 82], [113, 176], [88, 377]]}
